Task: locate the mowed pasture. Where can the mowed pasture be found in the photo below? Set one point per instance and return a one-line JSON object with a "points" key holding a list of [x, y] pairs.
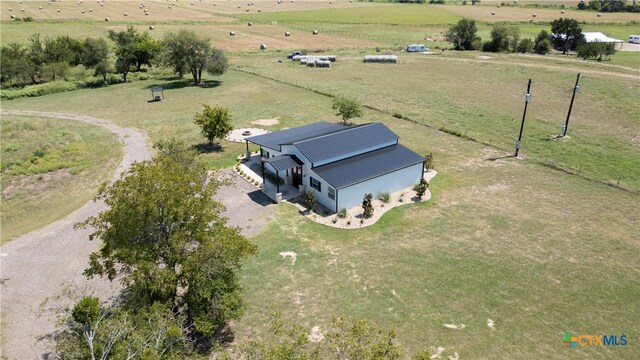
{"points": [[483, 99], [113, 10], [49, 169], [520, 14]]}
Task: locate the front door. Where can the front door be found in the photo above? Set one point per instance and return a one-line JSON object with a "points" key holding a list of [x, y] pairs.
{"points": [[296, 173]]}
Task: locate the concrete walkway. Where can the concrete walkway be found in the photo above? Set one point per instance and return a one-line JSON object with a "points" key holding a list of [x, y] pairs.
{"points": [[36, 265]]}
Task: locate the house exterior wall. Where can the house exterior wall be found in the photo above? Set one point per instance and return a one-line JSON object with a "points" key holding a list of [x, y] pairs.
{"points": [[352, 196], [354, 153]]}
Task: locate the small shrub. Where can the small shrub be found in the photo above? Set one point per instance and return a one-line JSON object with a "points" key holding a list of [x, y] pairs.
{"points": [[342, 213], [27, 19], [335, 220], [397, 115], [421, 187], [525, 46], [309, 199], [367, 205], [384, 197]]}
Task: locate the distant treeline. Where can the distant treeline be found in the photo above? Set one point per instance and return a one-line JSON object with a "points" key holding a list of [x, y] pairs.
{"points": [[609, 6]]}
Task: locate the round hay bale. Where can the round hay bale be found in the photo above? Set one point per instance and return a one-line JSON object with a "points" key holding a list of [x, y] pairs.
{"points": [[315, 32], [534, 15], [250, 24], [90, 10], [330, 2], [59, 10], [82, 11], [498, 6], [561, 11], [191, 4], [146, 13], [125, 14], [291, 0], [232, 33], [286, 33], [140, 7], [151, 27], [263, 47], [493, 13], [259, 10], [599, 15], [106, 19], [10, 9], [40, 7], [311, 63], [239, 6], [246, 10], [22, 10], [214, 4], [13, 16], [169, 6]]}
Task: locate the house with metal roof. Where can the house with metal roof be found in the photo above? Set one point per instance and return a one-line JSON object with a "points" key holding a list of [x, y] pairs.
{"points": [[341, 163]]}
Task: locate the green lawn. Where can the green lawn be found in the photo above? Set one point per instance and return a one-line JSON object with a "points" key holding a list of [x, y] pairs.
{"points": [[483, 99], [50, 167], [538, 252]]}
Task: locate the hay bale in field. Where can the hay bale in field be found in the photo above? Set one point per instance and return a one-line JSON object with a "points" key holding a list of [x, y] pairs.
{"points": [[599, 15], [232, 33], [170, 7], [40, 7], [498, 6], [493, 13], [561, 11], [59, 10], [286, 33], [534, 15], [259, 10], [315, 32], [239, 6], [125, 14], [311, 63], [151, 27], [263, 47], [106, 19], [90, 10], [146, 13], [250, 24], [13, 16], [246, 10], [82, 11]]}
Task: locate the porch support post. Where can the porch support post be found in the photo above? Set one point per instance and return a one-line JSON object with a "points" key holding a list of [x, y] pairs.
{"points": [[277, 182], [247, 153], [262, 167], [422, 176]]}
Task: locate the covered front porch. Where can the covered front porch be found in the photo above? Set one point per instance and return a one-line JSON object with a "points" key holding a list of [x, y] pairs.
{"points": [[279, 176]]}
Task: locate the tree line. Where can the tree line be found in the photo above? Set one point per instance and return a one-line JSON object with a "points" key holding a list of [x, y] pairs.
{"points": [[49, 59], [609, 6], [566, 35]]}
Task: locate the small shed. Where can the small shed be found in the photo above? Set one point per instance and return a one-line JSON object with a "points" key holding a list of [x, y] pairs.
{"points": [[157, 93]]}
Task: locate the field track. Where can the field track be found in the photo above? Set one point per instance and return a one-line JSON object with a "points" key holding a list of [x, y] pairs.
{"points": [[38, 264]]}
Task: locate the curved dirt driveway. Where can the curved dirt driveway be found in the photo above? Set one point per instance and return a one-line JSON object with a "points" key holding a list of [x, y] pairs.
{"points": [[35, 265]]}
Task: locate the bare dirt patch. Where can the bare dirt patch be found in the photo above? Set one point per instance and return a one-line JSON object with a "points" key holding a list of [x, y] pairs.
{"points": [[454, 326], [238, 135], [35, 183], [316, 334], [266, 122], [290, 254]]}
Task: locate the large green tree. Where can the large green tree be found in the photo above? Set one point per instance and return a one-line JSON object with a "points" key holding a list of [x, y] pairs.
{"points": [[165, 238], [463, 34], [215, 122], [566, 34], [133, 50], [188, 52]]}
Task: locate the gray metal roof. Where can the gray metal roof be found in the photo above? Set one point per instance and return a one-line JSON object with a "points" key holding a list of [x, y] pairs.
{"points": [[353, 170], [347, 141], [290, 136], [284, 162]]}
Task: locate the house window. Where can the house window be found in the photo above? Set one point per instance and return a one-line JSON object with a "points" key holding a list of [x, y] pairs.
{"points": [[331, 192], [267, 154], [316, 184]]}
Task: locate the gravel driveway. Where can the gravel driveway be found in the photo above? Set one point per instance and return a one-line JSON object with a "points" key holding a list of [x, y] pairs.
{"points": [[35, 265]]}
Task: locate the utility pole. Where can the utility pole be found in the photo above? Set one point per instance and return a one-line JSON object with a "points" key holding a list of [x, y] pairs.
{"points": [[565, 127], [527, 97]]}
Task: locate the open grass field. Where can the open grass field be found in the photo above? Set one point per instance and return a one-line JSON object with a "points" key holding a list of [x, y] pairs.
{"points": [[603, 147], [520, 14], [537, 250], [45, 161]]}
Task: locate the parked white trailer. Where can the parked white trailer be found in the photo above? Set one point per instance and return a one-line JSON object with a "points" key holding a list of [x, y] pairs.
{"points": [[634, 39], [416, 48]]}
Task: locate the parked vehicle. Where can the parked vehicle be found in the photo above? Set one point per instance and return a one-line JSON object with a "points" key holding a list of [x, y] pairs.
{"points": [[634, 39], [290, 56], [416, 48]]}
